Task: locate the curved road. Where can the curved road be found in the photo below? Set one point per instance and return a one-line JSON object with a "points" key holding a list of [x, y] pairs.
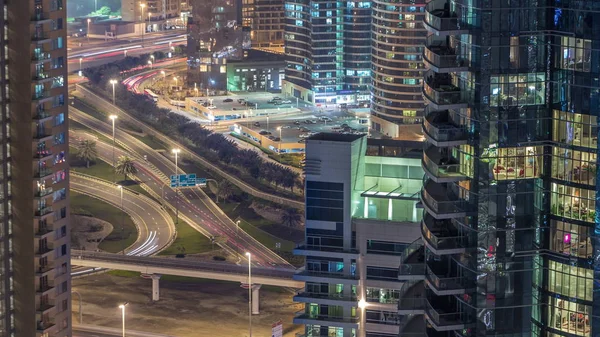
{"points": [[155, 225], [194, 204]]}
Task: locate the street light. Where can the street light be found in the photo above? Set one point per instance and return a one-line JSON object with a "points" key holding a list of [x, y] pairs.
{"points": [[152, 57], [150, 63], [279, 129], [122, 307], [176, 81], [143, 22], [113, 82], [80, 60], [113, 118], [237, 227], [162, 72], [122, 219], [249, 294], [88, 29], [176, 152]]}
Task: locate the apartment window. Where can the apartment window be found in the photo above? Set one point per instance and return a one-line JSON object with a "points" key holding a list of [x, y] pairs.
{"points": [[63, 250], [385, 247], [324, 201], [381, 273], [574, 53], [60, 158], [58, 62], [63, 231], [59, 138], [569, 316], [65, 305]]}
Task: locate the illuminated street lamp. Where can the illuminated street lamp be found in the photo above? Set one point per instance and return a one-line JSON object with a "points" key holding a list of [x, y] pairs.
{"points": [[122, 307], [176, 152], [150, 63], [280, 139], [88, 29], [113, 82], [143, 22], [113, 118], [249, 293], [80, 60]]}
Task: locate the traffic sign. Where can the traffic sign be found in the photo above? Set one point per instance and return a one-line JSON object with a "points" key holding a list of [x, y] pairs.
{"points": [[183, 180], [201, 181]]}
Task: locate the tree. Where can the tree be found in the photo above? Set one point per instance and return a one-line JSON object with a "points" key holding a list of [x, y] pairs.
{"points": [[225, 190], [87, 151], [291, 217], [125, 166]]}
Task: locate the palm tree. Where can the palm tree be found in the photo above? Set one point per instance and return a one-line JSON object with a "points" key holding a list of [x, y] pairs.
{"points": [[87, 151], [125, 166], [225, 190], [291, 217]]}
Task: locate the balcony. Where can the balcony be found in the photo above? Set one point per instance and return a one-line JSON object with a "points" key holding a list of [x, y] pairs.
{"points": [[43, 192], [442, 284], [326, 277], [43, 251], [41, 96], [412, 326], [442, 236], [441, 92], [41, 57], [324, 298], [44, 269], [42, 116], [302, 317], [441, 202], [41, 38], [44, 307], [327, 251], [441, 131], [444, 316], [43, 173], [43, 326], [440, 20], [43, 231], [40, 18], [441, 167], [412, 298], [412, 263], [41, 136], [43, 211], [440, 56]]}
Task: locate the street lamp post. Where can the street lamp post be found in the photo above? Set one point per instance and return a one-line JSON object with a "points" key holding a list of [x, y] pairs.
{"points": [[113, 82], [143, 22], [280, 139], [113, 118], [88, 29], [176, 152], [150, 63], [80, 68], [122, 307], [249, 294], [237, 227], [122, 219]]}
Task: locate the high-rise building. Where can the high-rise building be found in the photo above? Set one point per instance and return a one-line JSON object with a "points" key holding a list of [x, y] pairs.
{"points": [[215, 35], [153, 10], [327, 49], [34, 222], [265, 20], [510, 238], [397, 39], [361, 216]]}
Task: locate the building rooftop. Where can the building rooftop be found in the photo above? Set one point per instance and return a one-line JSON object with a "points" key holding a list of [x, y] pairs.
{"points": [[255, 55], [335, 137]]}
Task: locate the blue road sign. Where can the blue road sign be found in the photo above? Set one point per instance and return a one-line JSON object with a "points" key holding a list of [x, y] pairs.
{"points": [[183, 180], [201, 181]]}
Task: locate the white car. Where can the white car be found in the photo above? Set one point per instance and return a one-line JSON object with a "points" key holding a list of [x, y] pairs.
{"points": [[210, 107], [286, 102]]}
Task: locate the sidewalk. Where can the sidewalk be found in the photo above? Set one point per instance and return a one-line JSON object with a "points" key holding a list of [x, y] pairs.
{"points": [[113, 331]]}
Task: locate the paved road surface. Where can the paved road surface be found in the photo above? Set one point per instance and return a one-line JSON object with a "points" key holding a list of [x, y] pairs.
{"points": [[85, 330], [193, 203]]}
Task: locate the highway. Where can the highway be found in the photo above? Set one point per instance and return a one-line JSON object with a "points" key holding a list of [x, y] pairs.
{"points": [[97, 53], [194, 205], [280, 277]]}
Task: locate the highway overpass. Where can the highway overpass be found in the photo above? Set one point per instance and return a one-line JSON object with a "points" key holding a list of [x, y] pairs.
{"points": [[156, 266]]}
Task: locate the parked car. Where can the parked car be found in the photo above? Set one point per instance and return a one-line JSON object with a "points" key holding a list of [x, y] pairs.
{"points": [[287, 101], [276, 139], [256, 124], [264, 133], [227, 100], [286, 126], [307, 121], [296, 122], [271, 138], [302, 141], [312, 121], [241, 100], [304, 129], [211, 107]]}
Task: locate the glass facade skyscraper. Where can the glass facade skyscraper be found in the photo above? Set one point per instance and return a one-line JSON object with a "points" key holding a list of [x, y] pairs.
{"points": [[510, 233]]}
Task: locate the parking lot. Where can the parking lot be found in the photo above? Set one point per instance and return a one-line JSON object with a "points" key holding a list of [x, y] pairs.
{"points": [[297, 130], [256, 101]]}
